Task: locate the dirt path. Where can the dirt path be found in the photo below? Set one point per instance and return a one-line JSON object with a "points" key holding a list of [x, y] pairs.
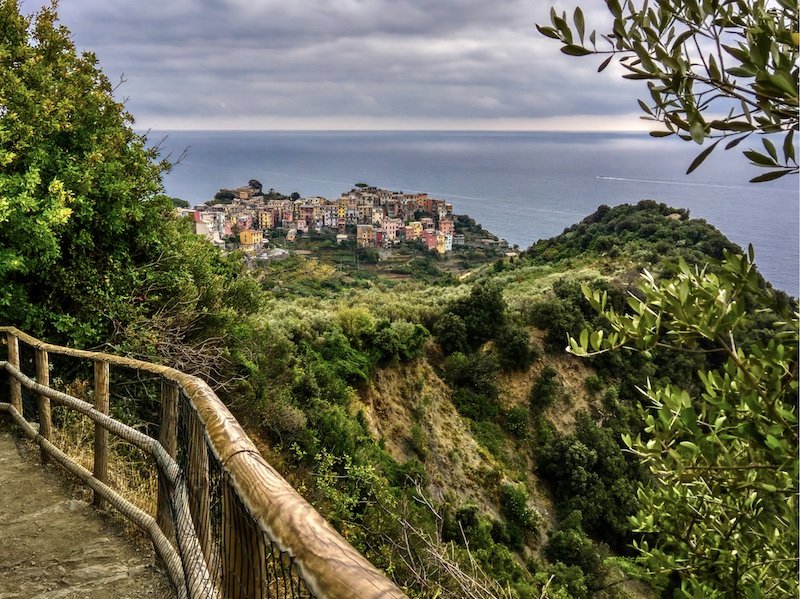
{"points": [[54, 545]]}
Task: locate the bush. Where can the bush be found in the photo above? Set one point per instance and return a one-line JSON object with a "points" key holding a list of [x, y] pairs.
{"points": [[523, 521], [546, 389], [400, 340], [593, 384], [591, 473], [419, 441], [451, 333], [467, 526], [570, 546], [483, 312], [515, 421], [474, 405], [337, 432], [514, 348], [476, 372]]}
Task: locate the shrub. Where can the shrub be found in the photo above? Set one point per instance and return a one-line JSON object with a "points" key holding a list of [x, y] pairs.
{"points": [[337, 432], [419, 441], [514, 348], [571, 546], [476, 371], [400, 340], [546, 389], [593, 384], [474, 405], [451, 333], [467, 526], [591, 473], [559, 318], [515, 421], [483, 312], [523, 521]]}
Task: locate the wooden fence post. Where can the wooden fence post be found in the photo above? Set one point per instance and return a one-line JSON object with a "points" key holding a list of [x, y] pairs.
{"points": [[43, 378], [13, 359], [101, 400], [168, 437]]}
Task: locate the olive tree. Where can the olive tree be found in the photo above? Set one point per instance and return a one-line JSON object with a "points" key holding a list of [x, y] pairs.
{"points": [[716, 70], [721, 504]]}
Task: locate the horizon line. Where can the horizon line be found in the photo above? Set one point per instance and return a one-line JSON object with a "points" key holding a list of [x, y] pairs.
{"points": [[387, 130]]}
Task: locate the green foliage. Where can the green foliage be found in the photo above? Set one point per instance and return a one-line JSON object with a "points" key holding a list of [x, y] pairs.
{"points": [[451, 333], [570, 546], [357, 324], [523, 520], [224, 196], [476, 371], [90, 250], [467, 527], [473, 378], [515, 421], [546, 390], [722, 454], [591, 474], [593, 384], [348, 363], [515, 351], [483, 312], [489, 434], [645, 232], [724, 70], [476, 406], [419, 441], [560, 316], [368, 255], [79, 206], [401, 340]]}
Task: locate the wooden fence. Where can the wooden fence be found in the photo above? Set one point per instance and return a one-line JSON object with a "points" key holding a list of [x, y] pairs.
{"points": [[227, 525]]}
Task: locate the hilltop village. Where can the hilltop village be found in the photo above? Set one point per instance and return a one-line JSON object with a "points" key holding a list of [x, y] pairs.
{"points": [[370, 216]]}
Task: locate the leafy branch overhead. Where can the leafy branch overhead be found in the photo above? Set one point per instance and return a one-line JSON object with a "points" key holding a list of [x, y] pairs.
{"points": [[718, 70]]}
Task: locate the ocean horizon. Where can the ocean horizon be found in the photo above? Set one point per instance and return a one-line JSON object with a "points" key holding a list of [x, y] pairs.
{"points": [[522, 186]]}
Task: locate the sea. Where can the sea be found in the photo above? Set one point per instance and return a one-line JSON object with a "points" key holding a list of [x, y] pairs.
{"points": [[522, 186]]}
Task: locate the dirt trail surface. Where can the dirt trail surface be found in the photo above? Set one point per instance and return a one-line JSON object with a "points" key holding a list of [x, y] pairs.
{"points": [[56, 546]]}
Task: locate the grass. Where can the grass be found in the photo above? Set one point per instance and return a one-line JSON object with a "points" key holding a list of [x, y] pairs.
{"points": [[131, 472]]}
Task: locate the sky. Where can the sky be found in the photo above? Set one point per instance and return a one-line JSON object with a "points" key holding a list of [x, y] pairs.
{"points": [[348, 64]]}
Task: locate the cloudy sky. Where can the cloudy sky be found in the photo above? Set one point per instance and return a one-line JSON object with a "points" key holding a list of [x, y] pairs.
{"points": [[347, 64]]}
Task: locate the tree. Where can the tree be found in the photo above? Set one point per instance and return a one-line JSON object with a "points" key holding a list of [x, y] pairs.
{"points": [[88, 244], [483, 312], [719, 70], [79, 188], [179, 203], [721, 506], [224, 196]]}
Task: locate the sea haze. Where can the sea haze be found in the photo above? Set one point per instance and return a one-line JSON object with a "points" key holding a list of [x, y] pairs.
{"points": [[521, 186]]}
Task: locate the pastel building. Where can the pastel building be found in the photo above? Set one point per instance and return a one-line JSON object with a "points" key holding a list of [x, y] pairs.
{"points": [[413, 230], [250, 240], [365, 236]]}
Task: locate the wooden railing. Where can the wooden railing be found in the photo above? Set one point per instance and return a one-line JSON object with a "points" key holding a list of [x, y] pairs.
{"points": [[227, 525]]}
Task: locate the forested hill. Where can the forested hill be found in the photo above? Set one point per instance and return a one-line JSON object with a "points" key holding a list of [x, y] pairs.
{"points": [[648, 231]]}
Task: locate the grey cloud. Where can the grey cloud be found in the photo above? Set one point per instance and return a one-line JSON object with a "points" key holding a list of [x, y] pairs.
{"points": [[467, 59]]}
